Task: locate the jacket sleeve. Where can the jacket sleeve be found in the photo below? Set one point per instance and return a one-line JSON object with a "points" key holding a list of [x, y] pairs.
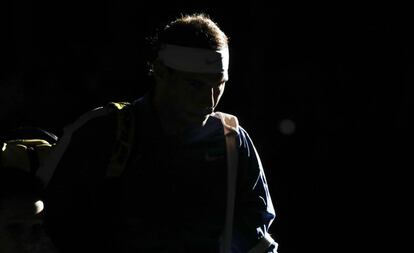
{"points": [[254, 212]]}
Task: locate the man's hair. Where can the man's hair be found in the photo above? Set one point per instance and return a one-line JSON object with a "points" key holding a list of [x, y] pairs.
{"points": [[195, 30]]}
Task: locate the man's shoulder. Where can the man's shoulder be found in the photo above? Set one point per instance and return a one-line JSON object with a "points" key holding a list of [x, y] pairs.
{"points": [[106, 119], [229, 121], [231, 125]]}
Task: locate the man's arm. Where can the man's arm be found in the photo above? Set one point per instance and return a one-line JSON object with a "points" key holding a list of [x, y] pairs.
{"points": [[254, 212]]}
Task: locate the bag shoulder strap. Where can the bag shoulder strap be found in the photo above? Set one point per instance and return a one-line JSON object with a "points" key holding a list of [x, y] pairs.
{"points": [[125, 132], [47, 170]]}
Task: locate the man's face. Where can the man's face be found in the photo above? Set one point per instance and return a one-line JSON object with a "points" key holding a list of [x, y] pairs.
{"points": [[191, 97]]}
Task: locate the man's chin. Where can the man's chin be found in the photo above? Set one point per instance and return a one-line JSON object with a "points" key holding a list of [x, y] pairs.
{"points": [[197, 120]]}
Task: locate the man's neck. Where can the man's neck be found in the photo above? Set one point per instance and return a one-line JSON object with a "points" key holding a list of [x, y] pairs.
{"points": [[167, 118]]}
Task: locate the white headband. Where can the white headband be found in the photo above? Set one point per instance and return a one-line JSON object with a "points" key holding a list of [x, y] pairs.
{"points": [[197, 60]]}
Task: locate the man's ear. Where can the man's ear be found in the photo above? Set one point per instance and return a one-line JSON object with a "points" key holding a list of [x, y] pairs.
{"points": [[160, 71]]}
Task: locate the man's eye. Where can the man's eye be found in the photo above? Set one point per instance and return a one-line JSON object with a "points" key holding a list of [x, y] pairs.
{"points": [[196, 84]]}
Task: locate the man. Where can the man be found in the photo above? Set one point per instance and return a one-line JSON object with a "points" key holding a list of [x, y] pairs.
{"points": [[159, 175]]}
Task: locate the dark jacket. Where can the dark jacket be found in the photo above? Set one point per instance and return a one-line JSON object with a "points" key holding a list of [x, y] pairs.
{"points": [[171, 196]]}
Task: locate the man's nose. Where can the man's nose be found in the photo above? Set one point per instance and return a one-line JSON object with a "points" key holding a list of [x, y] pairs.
{"points": [[210, 98]]}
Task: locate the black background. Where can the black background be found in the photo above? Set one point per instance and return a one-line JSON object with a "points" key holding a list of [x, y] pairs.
{"points": [[342, 73]]}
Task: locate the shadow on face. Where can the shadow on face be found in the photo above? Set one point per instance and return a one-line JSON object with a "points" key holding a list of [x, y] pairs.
{"points": [[190, 97]]}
